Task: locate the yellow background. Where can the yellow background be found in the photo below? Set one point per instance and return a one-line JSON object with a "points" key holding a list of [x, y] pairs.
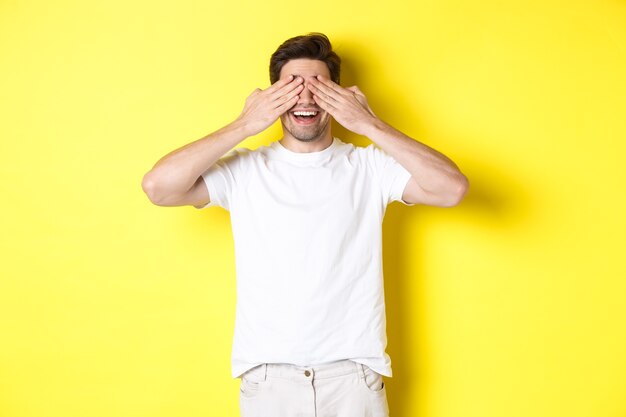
{"points": [[510, 305]]}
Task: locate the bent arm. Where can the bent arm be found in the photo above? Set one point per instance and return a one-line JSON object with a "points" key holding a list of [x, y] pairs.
{"points": [[435, 179], [175, 179]]}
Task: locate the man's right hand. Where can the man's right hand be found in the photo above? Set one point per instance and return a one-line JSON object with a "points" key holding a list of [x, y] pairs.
{"points": [[175, 179], [264, 107]]}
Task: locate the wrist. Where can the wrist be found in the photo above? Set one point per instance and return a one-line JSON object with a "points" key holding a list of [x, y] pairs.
{"points": [[241, 128], [373, 127]]}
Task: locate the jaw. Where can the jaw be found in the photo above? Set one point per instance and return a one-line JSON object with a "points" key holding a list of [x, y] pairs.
{"points": [[306, 130]]}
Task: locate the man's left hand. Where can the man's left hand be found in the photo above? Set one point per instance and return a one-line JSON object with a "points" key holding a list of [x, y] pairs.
{"points": [[348, 106]]}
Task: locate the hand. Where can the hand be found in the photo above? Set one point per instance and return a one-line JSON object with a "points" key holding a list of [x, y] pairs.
{"points": [[264, 107], [348, 106]]}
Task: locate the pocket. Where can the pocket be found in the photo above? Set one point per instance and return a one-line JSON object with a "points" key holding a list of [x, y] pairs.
{"points": [[373, 381], [251, 382], [249, 388]]}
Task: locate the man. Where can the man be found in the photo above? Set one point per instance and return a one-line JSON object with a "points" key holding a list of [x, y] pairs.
{"points": [[306, 214]]}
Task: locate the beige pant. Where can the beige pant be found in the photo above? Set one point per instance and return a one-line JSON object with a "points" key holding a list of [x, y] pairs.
{"points": [[337, 389]]}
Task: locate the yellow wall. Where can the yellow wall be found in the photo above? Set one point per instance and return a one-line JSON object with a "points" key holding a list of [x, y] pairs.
{"points": [[509, 305]]}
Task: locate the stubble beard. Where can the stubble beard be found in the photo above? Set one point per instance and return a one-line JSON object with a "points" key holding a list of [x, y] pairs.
{"points": [[306, 133]]}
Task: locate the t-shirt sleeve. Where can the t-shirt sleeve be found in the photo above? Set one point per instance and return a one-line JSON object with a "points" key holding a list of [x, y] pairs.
{"points": [[223, 177], [392, 176]]}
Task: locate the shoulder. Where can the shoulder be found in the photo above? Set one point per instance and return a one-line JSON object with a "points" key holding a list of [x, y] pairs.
{"points": [[369, 154], [348, 149], [237, 155]]}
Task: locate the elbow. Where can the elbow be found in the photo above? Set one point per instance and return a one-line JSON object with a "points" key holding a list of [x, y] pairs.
{"points": [[150, 187], [458, 192]]}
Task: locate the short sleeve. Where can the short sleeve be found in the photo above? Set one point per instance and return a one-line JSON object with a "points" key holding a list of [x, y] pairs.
{"points": [[393, 177], [223, 176]]}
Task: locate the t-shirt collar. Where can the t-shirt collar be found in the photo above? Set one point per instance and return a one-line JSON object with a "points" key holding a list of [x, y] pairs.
{"points": [[305, 157]]}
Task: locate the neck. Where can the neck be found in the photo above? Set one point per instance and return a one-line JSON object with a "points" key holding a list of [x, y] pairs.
{"points": [[318, 144]]}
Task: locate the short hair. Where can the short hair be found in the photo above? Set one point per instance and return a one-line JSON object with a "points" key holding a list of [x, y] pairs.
{"points": [[314, 45]]}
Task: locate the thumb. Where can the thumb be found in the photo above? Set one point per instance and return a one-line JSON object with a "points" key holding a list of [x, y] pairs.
{"points": [[355, 90]]}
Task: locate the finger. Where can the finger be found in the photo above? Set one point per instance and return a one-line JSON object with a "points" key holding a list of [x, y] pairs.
{"points": [[325, 105], [324, 92], [287, 105], [286, 97], [327, 82], [279, 84], [286, 88], [326, 89], [355, 90]]}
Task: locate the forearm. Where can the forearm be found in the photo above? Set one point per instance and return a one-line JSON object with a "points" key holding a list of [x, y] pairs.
{"points": [[434, 172], [176, 172], [435, 179]]}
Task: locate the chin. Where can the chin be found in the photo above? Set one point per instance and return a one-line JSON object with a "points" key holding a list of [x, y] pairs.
{"points": [[310, 134]]}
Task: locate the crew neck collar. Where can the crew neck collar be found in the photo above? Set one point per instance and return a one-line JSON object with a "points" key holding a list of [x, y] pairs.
{"points": [[306, 157]]}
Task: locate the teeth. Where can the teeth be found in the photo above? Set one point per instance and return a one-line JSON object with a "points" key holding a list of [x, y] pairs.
{"points": [[305, 113]]}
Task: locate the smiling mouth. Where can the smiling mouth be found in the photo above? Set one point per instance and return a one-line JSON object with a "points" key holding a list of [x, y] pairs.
{"points": [[305, 117]]}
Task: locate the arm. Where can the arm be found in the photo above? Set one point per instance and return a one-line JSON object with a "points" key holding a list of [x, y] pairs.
{"points": [[176, 179], [435, 179]]}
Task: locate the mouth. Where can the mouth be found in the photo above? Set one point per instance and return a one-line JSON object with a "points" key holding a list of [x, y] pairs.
{"points": [[305, 117]]}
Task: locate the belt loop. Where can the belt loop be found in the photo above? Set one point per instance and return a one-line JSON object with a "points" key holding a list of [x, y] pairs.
{"points": [[264, 371]]}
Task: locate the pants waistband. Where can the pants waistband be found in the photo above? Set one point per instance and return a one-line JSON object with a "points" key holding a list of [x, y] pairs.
{"points": [[304, 373]]}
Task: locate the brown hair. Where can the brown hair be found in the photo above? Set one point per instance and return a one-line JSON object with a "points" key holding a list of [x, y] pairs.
{"points": [[314, 45]]}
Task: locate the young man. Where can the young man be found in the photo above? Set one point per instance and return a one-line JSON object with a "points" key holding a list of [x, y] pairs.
{"points": [[306, 214]]}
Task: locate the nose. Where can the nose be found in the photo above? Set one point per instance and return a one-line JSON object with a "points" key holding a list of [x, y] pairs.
{"points": [[306, 96]]}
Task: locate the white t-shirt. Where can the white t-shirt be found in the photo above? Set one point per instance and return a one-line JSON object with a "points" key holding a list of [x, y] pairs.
{"points": [[307, 229]]}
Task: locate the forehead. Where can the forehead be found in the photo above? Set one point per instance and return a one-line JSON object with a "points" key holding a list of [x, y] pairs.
{"points": [[305, 67]]}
